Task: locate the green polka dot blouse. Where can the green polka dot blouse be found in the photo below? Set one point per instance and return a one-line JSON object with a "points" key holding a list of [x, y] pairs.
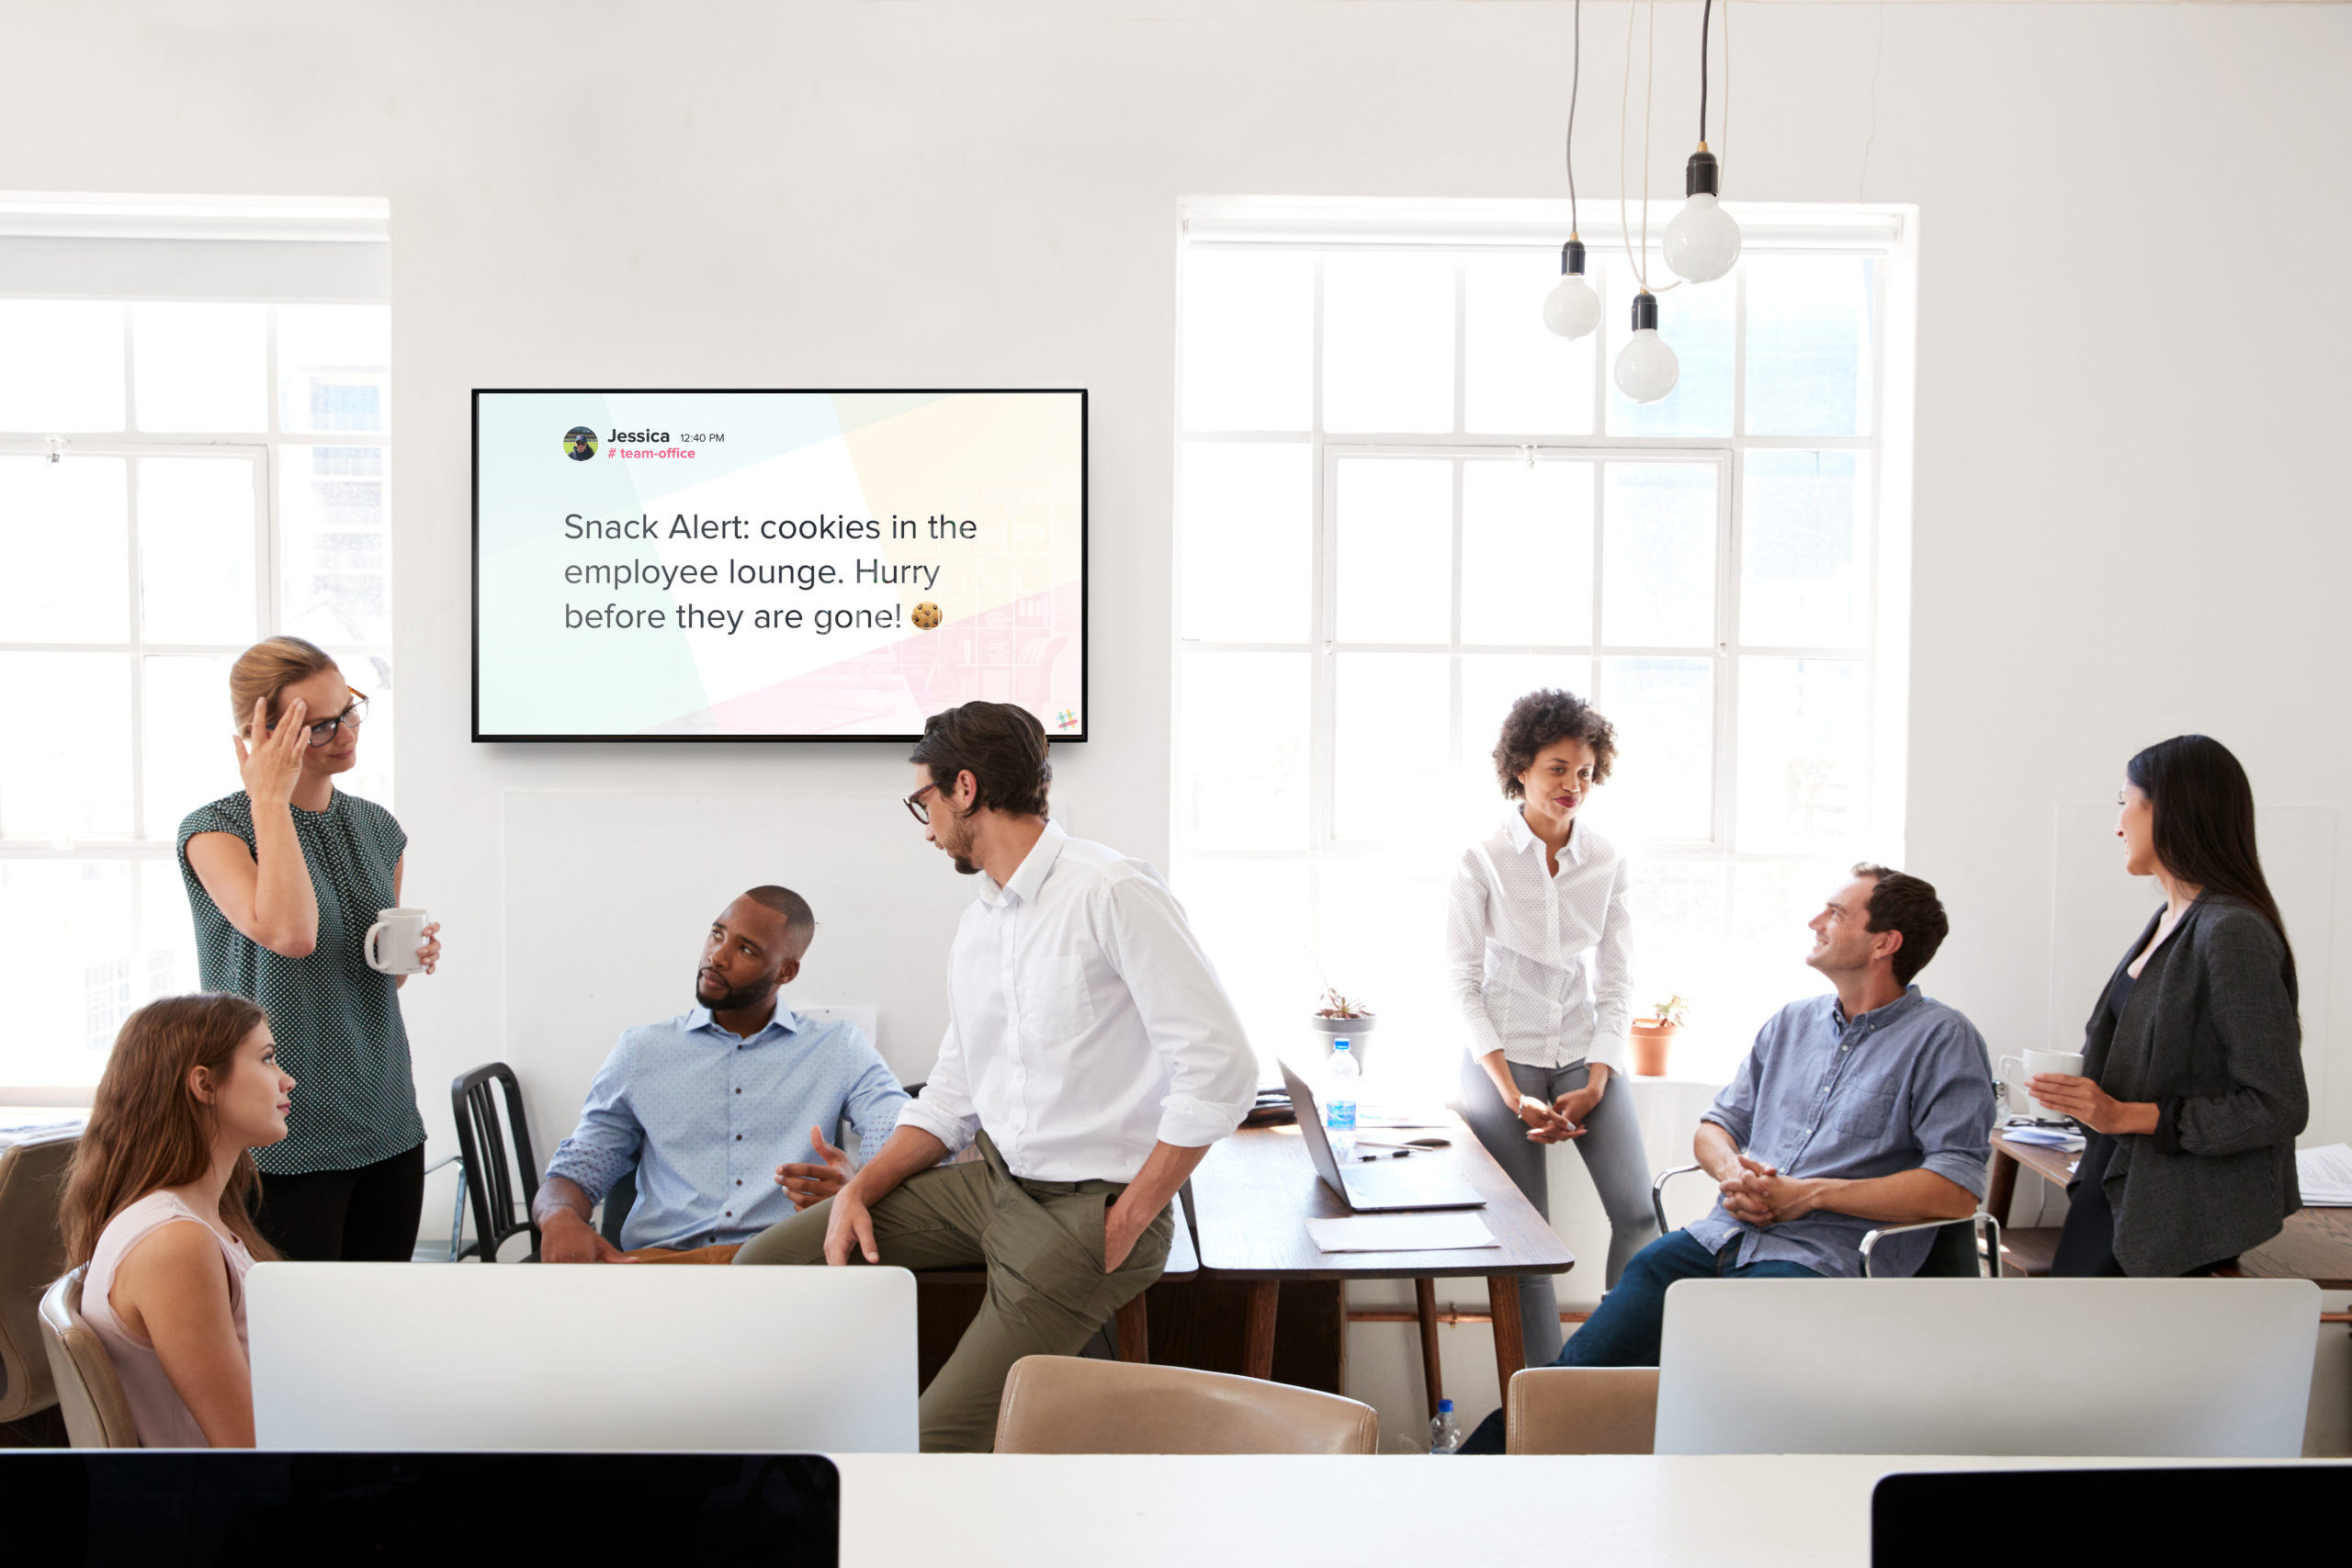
{"points": [[337, 1022]]}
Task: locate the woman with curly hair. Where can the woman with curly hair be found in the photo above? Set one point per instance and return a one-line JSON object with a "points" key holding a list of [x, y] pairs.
{"points": [[1539, 950]]}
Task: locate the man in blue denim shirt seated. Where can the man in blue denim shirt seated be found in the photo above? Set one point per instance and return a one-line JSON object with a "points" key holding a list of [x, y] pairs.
{"points": [[1868, 1108], [702, 1105]]}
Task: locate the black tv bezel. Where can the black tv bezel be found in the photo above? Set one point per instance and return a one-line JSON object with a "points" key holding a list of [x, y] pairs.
{"points": [[1085, 579]]}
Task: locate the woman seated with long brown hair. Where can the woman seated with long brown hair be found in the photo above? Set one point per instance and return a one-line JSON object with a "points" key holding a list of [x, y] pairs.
{"points": [[156, 1204]]}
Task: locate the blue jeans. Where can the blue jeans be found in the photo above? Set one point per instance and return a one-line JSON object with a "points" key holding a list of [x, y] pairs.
{"points": [[1624, 1332]]}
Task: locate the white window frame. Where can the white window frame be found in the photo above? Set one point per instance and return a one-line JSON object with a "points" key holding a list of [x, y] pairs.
{"points": [[1320, 229], [142, 245]]}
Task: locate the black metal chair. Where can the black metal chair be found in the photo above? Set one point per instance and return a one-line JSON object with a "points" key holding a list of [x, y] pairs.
{"points": [[490, 1174], [1966, 1249]]}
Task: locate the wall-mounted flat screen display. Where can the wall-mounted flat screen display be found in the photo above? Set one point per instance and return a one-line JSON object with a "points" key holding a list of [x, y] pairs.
{"points": [[775, 565]]}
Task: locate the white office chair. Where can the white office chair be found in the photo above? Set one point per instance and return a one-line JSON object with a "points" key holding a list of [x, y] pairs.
{"points": [[1972, 1252]]}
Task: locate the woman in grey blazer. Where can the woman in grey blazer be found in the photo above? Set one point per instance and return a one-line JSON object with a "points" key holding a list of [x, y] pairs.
{"points": [[2193, 1086]]}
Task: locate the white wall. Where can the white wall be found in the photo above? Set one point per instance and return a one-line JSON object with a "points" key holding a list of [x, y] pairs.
{"points": [[2130, 513]]}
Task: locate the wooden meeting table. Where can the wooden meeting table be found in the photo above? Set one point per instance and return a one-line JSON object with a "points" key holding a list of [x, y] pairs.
{"points": [[1254, 1193], [2316, 1243]]}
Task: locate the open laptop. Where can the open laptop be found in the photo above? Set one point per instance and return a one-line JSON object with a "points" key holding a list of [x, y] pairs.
{"points": [[540, 1358], [1386, 1187], [2183, 1369]]}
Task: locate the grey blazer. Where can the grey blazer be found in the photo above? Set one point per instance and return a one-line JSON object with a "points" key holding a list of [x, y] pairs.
{"points": [[2211, 1033]]}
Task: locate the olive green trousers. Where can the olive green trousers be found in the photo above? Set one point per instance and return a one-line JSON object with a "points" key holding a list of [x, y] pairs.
{"points": [[1041, 1243]]}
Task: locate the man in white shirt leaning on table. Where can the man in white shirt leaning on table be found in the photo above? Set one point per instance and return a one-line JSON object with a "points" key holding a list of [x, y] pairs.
{"points": [[1090, 1051]]}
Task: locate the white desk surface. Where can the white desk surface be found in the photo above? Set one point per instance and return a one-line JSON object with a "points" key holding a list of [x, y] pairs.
{"points": [[1142, 1511]]}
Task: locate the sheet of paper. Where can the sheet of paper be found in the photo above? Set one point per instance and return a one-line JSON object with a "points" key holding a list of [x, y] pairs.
{"points": [[1399, 1116], [1445, 1230], [2326, 1176]]}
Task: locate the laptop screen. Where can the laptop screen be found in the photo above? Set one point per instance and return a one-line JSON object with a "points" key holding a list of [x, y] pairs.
{"points": [[250, 1509], [1311, 1128]]}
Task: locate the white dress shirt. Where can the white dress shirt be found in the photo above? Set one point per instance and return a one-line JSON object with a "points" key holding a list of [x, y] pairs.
{"points": [[1541, 964], [1084, 1022]]}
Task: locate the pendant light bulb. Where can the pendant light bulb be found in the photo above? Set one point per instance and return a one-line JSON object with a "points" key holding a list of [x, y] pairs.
{"points": [[1572, 308], [1646, 368], [1702, 242]]}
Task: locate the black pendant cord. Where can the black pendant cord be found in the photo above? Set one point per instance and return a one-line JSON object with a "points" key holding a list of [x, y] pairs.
{"points": [[1706, 14], [1576, 82]]}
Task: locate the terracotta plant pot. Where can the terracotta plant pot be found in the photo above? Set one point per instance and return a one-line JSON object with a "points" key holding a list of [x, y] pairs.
{"points": [[1650, 1040]]}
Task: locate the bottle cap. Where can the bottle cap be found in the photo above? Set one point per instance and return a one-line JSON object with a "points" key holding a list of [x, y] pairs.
{"points": [[1445, 1407], [1339, 1044]]}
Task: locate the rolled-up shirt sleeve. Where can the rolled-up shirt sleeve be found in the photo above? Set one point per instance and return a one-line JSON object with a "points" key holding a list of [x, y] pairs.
{"points": [[1468, 923], [1734, 1109], [607, 1143], [944, 1109], [873, 1103], [1952, 1107], [1212, 1071]]}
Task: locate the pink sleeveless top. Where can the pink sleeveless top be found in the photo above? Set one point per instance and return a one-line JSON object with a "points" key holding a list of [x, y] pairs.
{"points": [[163, 1419]]}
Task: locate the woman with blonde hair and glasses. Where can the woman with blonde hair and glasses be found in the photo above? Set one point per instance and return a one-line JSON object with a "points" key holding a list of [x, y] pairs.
{"points": [[284, 878], [156, 1204]]}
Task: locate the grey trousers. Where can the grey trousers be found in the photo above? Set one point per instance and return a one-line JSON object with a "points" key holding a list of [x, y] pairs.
{"points": [[1613, 1157], [1041, 1243]]}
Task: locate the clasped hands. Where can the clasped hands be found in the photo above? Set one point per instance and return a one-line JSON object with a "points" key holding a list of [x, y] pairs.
{"points": [[1560, 1120], [1757, 1194]]}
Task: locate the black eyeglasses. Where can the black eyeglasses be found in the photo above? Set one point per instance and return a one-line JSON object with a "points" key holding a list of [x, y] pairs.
{"points": [[354, 714], [916, 808]]}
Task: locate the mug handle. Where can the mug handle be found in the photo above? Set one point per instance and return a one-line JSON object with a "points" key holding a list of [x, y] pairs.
{"points": [[367, 947]]}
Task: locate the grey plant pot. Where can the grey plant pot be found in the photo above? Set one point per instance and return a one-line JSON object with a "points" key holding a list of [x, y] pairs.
{"points": [[1351, 1029]]}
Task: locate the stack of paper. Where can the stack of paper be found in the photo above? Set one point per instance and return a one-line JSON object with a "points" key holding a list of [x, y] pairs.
{"points": [[1439, 1231], [2326, 1176], [2043, 1134]]}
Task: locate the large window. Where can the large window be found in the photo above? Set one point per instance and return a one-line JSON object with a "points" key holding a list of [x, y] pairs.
{"points": [[1403, 502], [178, 477]]}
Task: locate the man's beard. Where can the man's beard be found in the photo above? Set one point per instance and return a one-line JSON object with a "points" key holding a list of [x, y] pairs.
{"points": [[730, 1001]]}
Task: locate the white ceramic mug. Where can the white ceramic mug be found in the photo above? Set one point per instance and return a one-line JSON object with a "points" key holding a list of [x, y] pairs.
{"points": [[402, 932], [2033, 1064]]}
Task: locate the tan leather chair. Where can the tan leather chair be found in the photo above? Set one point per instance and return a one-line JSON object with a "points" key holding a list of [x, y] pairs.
{"points": [[1581, 1410], [1067, 1405], [96, 1414], [32, 1253]]}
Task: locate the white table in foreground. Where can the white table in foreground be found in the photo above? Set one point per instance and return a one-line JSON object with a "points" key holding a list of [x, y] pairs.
{"points": [[1143, 1511]]}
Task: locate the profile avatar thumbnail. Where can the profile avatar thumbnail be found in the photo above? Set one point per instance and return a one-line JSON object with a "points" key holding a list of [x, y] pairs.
{"points": [[579, 443]]}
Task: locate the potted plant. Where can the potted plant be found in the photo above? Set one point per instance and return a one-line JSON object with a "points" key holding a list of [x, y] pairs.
{"points": [[1343, 1018], [1652, 1036]]}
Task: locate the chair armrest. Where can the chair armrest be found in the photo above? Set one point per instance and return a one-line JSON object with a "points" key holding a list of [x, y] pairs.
{"points": [[1657, 1192], [1987, 1229]]}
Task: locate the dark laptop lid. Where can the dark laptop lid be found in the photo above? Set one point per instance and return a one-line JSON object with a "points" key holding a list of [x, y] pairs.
{"points": [[2158, 1512], [246, 1509]]}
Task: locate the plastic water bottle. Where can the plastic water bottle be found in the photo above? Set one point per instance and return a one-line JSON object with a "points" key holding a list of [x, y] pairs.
{"points": [[1445, 1432], [1340, 1102]]}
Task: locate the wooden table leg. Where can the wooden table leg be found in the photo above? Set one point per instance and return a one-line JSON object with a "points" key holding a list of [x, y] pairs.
{"points": [[1511, 1341], [1134, 1331], [1425, 1303], [1257, 1336], [2001, 1189]]}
